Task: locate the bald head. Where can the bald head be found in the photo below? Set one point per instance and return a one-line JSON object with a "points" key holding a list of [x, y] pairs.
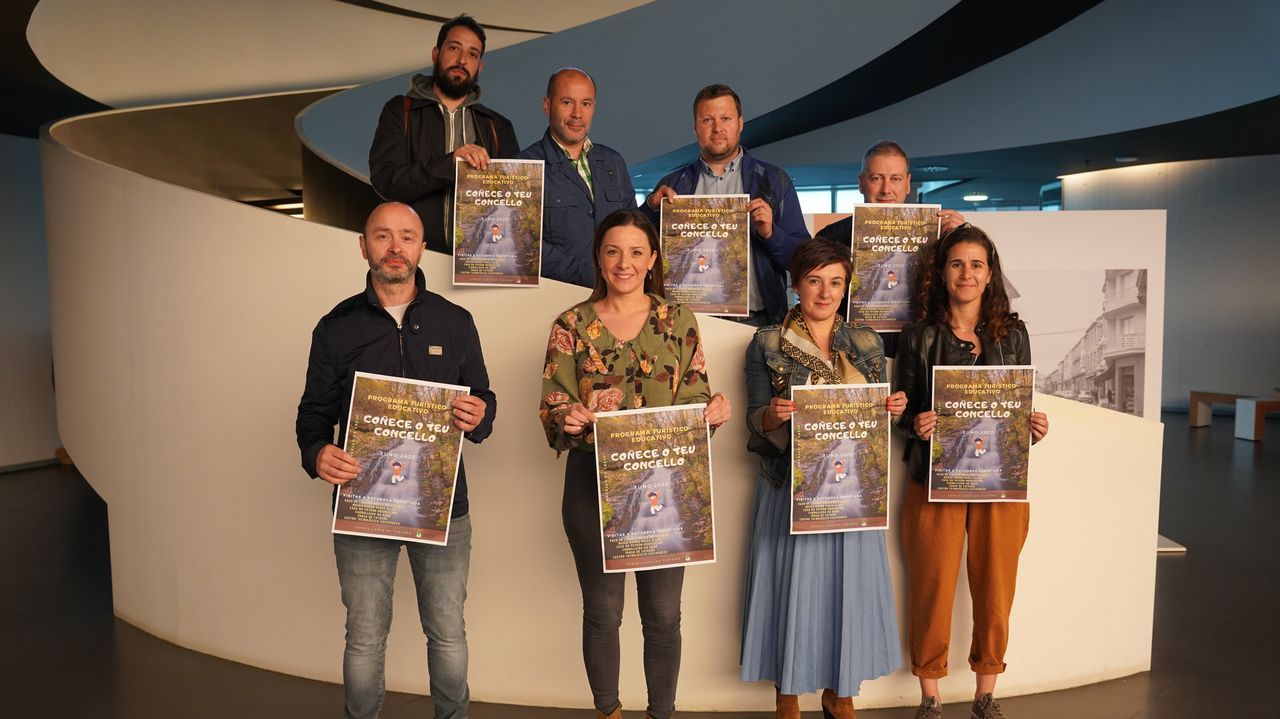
{"points": [[391, 215], [566, 73], [392, 243], [570, 105]]}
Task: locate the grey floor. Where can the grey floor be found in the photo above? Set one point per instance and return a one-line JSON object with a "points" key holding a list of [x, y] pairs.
{"points": [[1216, 629]]}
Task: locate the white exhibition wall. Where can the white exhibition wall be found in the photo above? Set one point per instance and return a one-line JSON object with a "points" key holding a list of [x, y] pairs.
{"points": [[181, 328], [28, 428], [1223, 329], [1033, 249]]}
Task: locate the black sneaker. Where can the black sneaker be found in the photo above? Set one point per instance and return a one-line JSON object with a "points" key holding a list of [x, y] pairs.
{"points": [[930, 708], [985, 707]]}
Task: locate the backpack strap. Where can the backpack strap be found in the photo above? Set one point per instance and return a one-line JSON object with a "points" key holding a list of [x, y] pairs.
{"points": [[406, 115]]}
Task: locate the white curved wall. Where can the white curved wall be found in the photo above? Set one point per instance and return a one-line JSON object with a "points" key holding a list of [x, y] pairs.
{"points": [[181, 328], [1222, 248]]}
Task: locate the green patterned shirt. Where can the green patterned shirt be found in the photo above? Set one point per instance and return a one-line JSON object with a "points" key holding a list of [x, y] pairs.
{"points": [[581, 165], [662, 366]]}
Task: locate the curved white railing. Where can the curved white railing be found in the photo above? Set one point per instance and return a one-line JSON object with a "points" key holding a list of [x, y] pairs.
{"points": [[181, 327]]}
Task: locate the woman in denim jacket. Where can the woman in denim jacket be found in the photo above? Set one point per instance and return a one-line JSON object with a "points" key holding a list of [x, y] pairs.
{"points": [[819, 610]]}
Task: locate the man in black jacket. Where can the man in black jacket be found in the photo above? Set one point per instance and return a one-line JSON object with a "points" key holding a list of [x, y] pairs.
{"points": [[421, 133], [396, 327], [885, 178]]}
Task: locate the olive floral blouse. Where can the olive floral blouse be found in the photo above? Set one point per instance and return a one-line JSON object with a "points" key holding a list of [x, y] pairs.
{"points": [[662, 366]]}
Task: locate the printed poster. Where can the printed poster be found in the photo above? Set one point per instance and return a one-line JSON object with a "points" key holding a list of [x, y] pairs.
{"points": [[980, 446], [706, 254], [840, 458], [497, 224], [653, 471], [402, 433], [887, 240]]}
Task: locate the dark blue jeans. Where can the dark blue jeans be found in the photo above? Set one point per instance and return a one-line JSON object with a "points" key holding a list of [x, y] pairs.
{"points": [[658, 594], [367, 573]]}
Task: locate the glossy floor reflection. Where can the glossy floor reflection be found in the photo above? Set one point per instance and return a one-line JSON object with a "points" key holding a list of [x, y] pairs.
{"points": [[65, 655]]}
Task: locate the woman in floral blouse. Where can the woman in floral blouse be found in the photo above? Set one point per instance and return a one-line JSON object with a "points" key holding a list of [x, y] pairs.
{"points": [[625, 347]]}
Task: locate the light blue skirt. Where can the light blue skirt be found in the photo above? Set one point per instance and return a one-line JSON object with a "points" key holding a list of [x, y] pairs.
{"points": [[819, 610]]}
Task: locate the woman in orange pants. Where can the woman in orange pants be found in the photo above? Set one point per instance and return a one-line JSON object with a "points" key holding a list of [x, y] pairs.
{"points": [[963, 318]]}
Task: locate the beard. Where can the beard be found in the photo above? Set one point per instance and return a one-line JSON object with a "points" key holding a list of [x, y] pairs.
{"points": [[393, 275], [728, 154], [451, 88]]}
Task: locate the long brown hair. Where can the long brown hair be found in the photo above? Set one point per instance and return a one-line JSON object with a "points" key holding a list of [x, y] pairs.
{"points": [[932, 302], [626, 218]]}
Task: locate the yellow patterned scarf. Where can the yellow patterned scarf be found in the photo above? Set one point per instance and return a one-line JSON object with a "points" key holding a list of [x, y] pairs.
{"points": [[798, 344]]}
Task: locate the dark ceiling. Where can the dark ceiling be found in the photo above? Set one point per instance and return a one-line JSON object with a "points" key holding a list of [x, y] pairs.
{"points": [[31, 95], [1020, 171], [970, 34]]}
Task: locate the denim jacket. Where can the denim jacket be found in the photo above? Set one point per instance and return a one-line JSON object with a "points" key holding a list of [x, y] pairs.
{"points": [[771, 373]]}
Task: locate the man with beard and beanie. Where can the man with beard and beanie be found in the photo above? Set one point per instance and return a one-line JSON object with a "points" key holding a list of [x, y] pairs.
{"points": [[885, 178], [396, 327], [420, 133], [725, 168]]}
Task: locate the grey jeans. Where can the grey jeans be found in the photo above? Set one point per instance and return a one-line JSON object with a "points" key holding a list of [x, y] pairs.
{"points": [[367, 573], [658, 592]]}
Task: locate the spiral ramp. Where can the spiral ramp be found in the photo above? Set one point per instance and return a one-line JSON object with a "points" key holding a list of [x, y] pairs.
{"points": [[182, 306]]}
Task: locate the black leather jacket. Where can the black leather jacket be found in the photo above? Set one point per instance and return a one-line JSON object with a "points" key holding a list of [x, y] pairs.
{"points": [[924, 346]]}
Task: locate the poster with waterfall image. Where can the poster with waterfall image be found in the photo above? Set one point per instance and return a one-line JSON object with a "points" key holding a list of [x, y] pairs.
{"points": [[706, 253], [980, 447], [401, 432], [840, 458], [653, 473], [887, 239], [497, 224]]}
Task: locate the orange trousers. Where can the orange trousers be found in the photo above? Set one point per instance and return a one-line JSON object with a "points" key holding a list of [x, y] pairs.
{"points": [[933, 539]]}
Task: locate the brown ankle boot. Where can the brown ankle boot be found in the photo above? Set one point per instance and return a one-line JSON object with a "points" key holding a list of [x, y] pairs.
{"points": [[616, 714], [835, 707], [788, 705]]}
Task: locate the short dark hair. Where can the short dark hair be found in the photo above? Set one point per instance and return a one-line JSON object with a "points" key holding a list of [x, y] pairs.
{"points": [[463, 20], [815, 253], [884, 147], [551, 81], [711, 92]]}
